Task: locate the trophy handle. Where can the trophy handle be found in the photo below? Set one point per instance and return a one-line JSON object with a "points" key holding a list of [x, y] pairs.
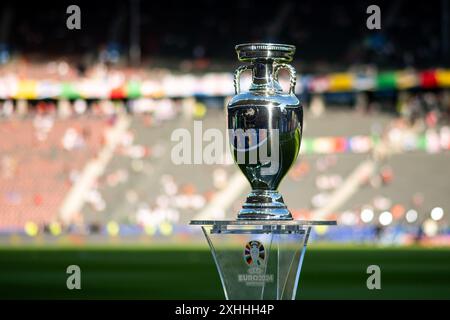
{"points": [[237, 75], [292, 75]]}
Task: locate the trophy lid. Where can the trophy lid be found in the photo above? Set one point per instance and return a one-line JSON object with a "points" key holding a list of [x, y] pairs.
{"points": [[277, 52]]}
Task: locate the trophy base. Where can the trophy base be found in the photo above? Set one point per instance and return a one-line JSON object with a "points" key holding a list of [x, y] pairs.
{"points": [[264, 205]]}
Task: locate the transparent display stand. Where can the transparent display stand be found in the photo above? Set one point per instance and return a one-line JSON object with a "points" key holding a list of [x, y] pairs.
{"points": [[258, 259]]}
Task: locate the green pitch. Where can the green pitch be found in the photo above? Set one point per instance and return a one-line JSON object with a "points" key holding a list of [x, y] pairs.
{"points": [[189, 273]]}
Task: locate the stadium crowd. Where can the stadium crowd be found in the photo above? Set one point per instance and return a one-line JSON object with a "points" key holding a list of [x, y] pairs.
{"points": [[51, 142]]}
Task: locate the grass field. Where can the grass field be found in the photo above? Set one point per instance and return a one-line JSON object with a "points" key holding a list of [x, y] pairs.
{"points": [[189, 273]]}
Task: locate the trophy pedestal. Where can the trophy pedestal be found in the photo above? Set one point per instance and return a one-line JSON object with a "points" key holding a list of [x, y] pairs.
{"points": [[258, 260]]}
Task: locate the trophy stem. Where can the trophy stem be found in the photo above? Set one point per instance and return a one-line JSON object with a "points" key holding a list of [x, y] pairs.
{"points": [[264, 205]]}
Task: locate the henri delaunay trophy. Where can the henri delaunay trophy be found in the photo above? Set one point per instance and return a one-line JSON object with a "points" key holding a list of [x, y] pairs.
{"points": [[265, 126]]}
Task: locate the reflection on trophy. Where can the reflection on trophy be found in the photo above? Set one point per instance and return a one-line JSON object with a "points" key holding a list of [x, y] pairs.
{"points": [[259, 255]]}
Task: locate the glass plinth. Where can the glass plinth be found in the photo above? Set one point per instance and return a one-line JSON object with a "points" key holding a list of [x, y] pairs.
{"points": [[258, 259]]}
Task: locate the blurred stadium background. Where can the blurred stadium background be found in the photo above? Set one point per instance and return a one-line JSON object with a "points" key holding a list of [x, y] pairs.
{"points": [[86, 118]]}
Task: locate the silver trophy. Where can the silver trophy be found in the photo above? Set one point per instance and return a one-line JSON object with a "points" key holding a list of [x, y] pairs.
{"points": [[259, 255], [269, 119]]}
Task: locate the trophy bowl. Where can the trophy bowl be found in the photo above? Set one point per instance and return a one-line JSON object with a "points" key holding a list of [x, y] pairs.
{"points": [[265, 128]]}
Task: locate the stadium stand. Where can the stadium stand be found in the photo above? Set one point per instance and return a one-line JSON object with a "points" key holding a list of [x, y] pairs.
{"points": [[41, 155]]}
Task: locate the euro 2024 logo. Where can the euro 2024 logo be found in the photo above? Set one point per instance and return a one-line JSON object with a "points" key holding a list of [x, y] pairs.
{"points": [[255, 257], [254, 254]]}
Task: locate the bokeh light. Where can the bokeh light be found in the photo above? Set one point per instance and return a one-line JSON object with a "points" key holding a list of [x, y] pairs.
{"points": [[31, 229], [367, 215], [385, 218], [113, 228], [430, 227], [437, 213], [411, 216]]}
